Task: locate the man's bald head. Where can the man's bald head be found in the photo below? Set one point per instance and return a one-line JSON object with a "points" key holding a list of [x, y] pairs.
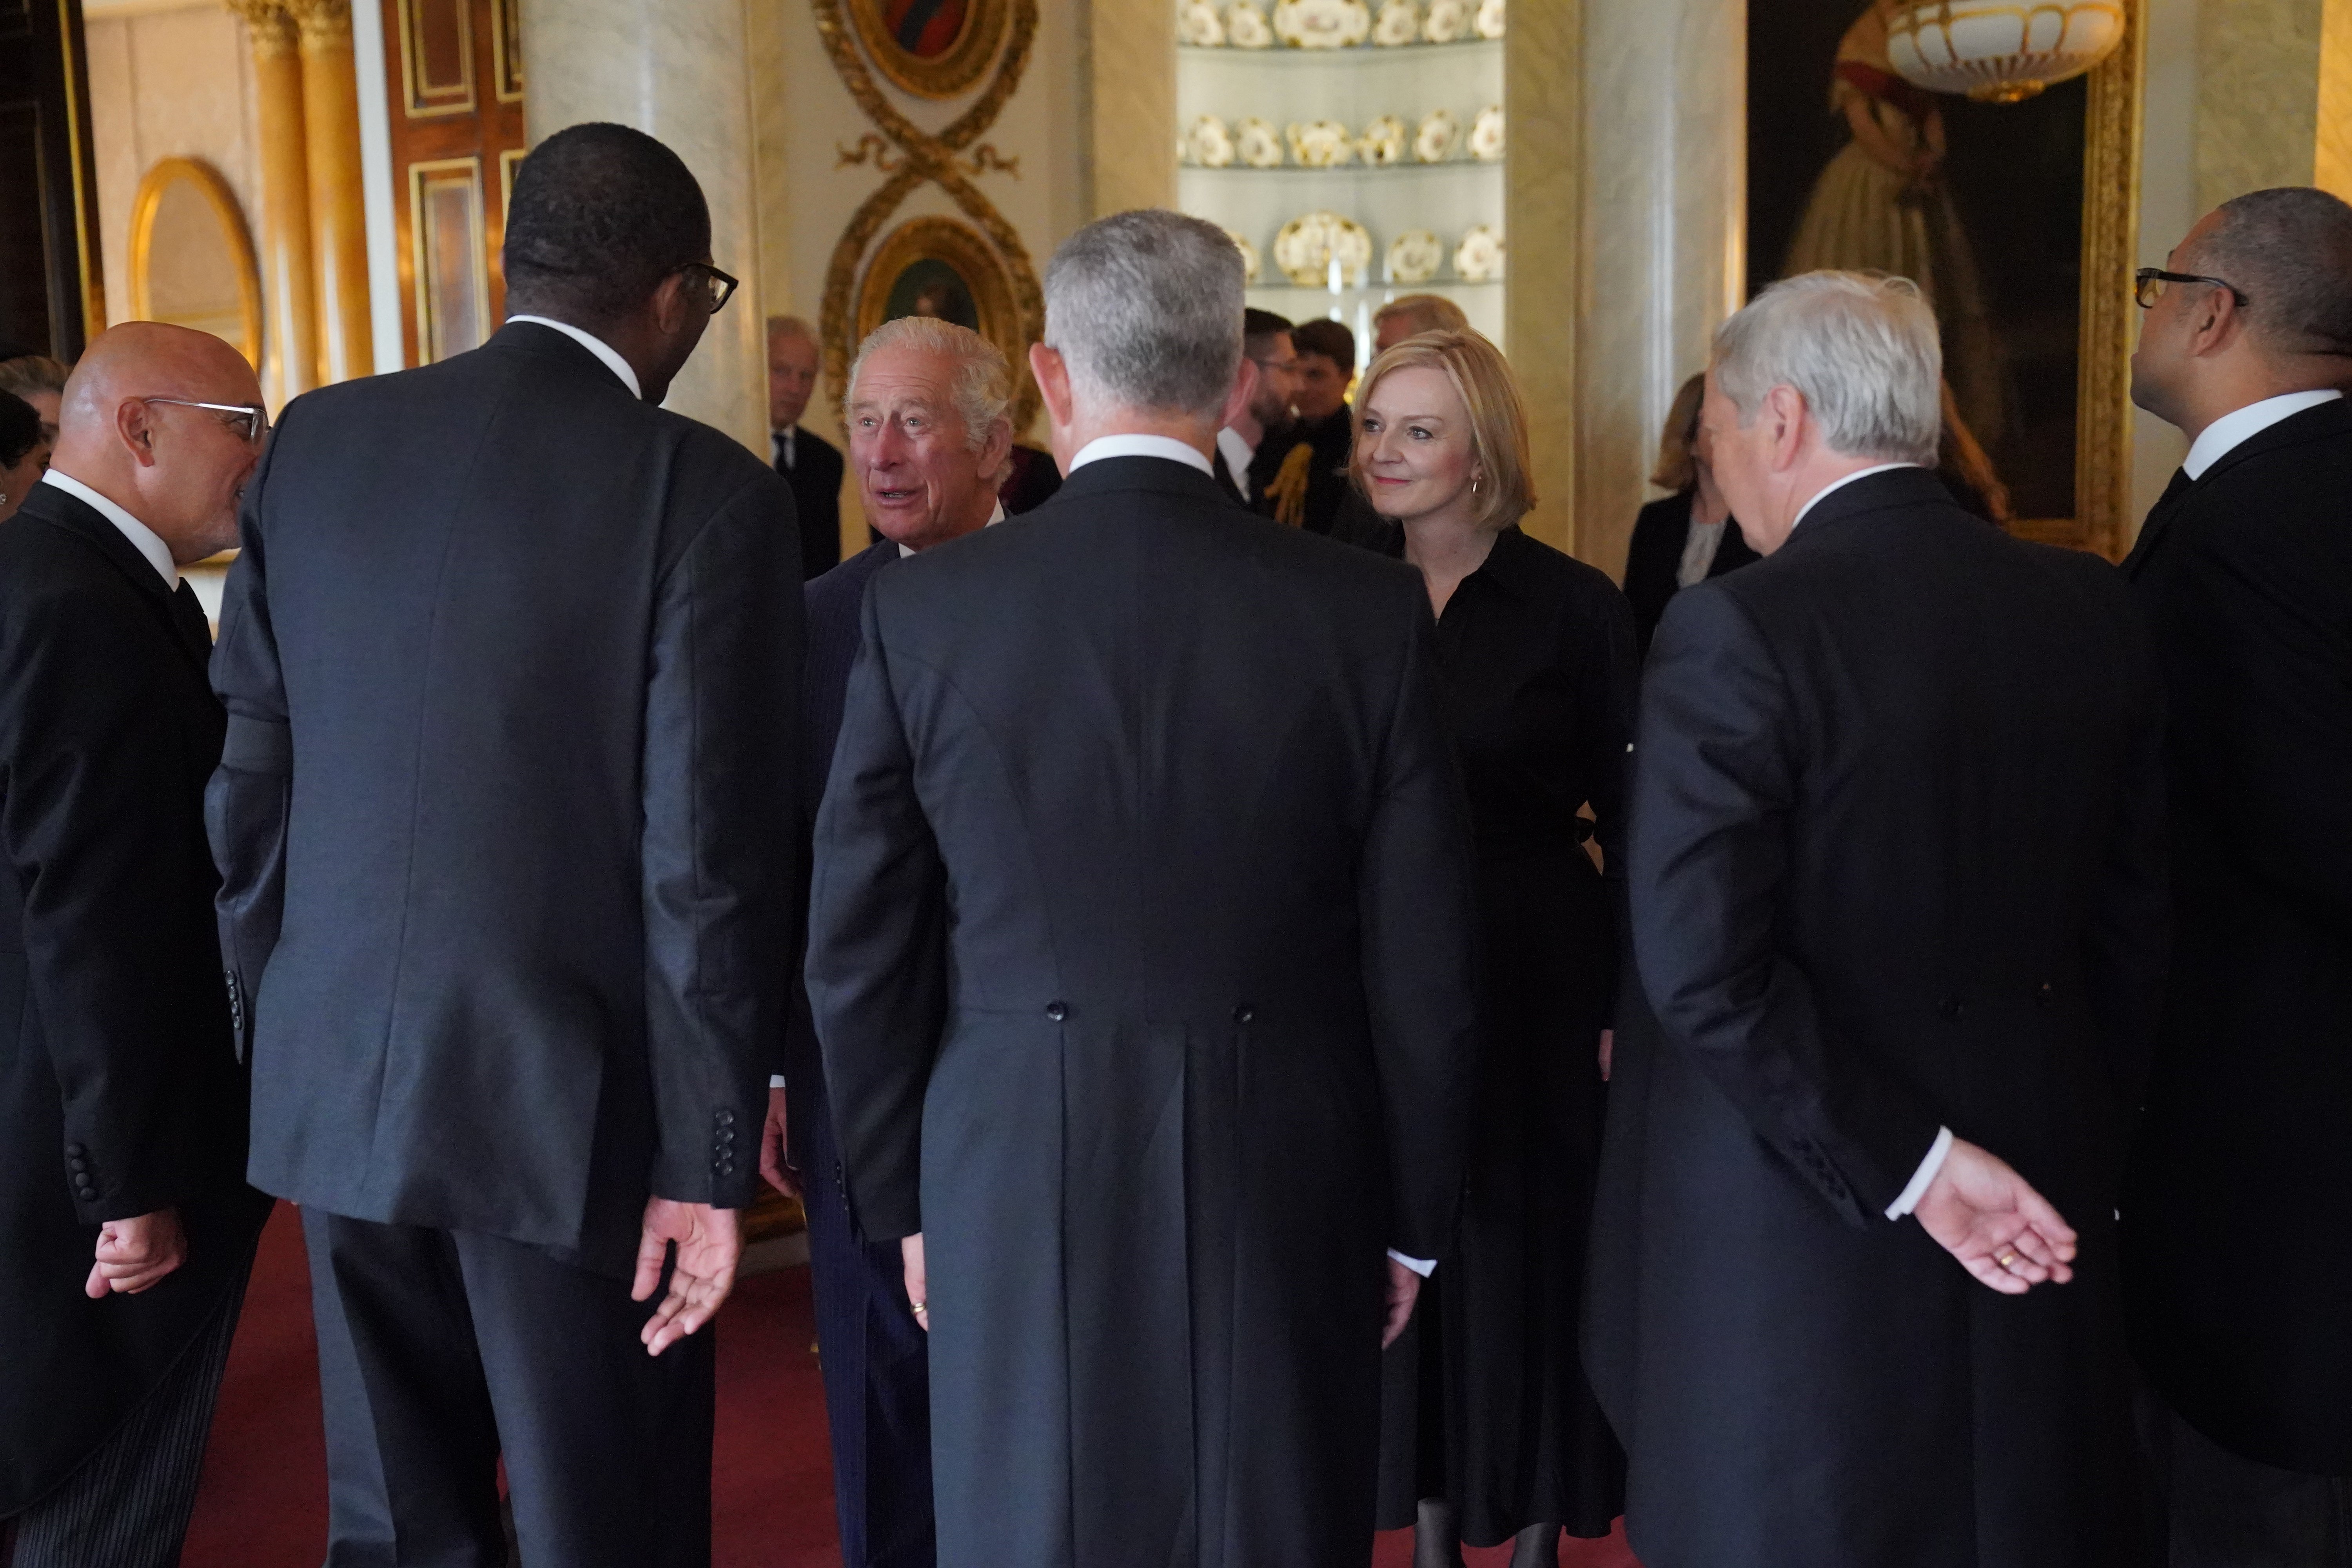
{"points": [[127, 432]]}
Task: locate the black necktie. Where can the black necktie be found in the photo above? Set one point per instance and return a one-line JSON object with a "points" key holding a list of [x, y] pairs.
{"points": [[188, 614]]}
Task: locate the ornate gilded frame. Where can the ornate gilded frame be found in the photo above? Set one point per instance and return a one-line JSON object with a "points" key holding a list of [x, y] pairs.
{"points": [[222, 201], [961, 246], [943, 76]]}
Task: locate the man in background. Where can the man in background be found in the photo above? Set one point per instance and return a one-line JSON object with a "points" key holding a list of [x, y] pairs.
{"points": [[2238, 1221], [1139, 954], [1854, 1293], [126, 1228], [1302, 474], [1408, 315], [1266, 344], [810, 463], [512, 664], [928, 435]]}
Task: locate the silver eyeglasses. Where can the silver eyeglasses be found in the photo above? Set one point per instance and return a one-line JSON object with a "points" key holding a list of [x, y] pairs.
{"points": [[249, 420]]}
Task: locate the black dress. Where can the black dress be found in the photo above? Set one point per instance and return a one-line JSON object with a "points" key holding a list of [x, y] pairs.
{"points": [[1485, 1402], [1653, 558]]}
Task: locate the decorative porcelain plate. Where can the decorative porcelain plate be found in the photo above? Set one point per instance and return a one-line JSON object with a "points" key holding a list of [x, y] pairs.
{"points": [[1384, 142], [1433, 142], [1209, 143], [1322, 23], [1490, 19], [1246, 26], [1415, 256], [1486, 134], [1479, 257], [1399, 21], [1321, 144], [1199, 25], [1447, 20], [1259, 143], [1251, 264], [1310, 242]]}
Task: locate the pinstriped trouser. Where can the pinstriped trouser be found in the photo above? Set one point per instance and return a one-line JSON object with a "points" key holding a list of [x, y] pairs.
{"points": [[128, 1505]]}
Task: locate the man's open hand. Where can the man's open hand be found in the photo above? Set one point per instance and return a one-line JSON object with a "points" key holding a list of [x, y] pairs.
{"points": [[709, 1244], [134, 1255], [2002, 1230]]}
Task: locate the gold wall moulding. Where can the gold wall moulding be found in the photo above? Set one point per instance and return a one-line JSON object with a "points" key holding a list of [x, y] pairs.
{"points": [[924, 158], [2102, 408], [192, 261], [939, 267], [437, 56], [933, 49]]}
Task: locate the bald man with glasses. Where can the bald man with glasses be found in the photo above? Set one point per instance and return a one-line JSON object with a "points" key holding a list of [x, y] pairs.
{"points": [[126, 1228]]}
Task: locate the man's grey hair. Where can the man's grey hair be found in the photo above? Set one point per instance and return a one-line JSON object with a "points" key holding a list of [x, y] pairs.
{"points": [[1859, 348], [983, 382], [2289, 252], [1145, 308], [789, 327]]}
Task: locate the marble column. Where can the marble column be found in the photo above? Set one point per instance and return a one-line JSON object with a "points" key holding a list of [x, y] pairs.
{"points": [[289, 335], [680, 71], [1664, 236], [330, 120], [1543, 98]]}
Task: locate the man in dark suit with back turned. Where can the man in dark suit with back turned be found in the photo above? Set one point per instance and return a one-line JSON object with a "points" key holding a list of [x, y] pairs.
{"points": [[512, 662], [126, 1227], [930, 434], [1139, 951], [2238, 1219], [1894, 871], [808, 461]]}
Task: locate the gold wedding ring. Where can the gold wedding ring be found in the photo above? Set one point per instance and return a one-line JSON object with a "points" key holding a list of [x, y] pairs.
{"points": [[2006, 1259], [924, 1307]]}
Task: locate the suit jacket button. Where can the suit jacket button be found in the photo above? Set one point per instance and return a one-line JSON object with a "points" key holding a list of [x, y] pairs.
{"points": [[1057, 1011], [77, 1165], [76, 1150], [1244, 1012], [726, 1118], [2045, 994], [1951, 1008]]}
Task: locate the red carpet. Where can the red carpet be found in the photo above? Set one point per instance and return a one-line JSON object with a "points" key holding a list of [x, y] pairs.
{"points": [[263, 1499]]}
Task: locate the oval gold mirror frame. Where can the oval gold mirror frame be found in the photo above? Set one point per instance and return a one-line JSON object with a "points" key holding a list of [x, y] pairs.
{"points": [[961, 247], [221, 203], [942, 75]]}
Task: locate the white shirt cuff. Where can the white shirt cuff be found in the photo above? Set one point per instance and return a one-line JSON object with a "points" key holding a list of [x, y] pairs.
{"points": [[1908, 1199], [775, 1081], [1421, 1266]]}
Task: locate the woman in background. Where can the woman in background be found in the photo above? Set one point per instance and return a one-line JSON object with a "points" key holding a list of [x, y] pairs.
{"points": [[1488, 1430], [24, 454], [1691, 534]]}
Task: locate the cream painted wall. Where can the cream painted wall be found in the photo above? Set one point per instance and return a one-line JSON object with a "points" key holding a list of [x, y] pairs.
{"points": [[165, 80]]}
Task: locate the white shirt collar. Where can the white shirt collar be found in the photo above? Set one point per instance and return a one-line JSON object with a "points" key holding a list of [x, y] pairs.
{"points": [[2217, 440], [1238, 454], [994, 517], [1841, 484], [1141, 446], [142, 538], [595, 345]]}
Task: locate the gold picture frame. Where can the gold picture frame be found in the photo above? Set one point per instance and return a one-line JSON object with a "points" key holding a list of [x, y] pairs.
{"points": [[928, 254], [946, 71], [221, 202]]}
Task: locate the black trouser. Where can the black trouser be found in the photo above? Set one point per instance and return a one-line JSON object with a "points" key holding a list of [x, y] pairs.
{"points": [[128, 1505], [2225, 1511], [441, 1350]]}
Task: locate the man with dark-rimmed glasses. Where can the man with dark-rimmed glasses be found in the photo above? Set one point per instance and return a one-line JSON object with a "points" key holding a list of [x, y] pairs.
{"points": [[126, 1228], [2238, 1219], [505, 823]]}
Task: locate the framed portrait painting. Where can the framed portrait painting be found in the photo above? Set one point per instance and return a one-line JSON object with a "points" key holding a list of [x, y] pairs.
{"points": [[933, 49], [943, 267]]}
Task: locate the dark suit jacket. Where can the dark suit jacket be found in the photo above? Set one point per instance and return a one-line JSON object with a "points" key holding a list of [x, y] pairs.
{"points": [[833, 601], [512, 661], [1894, 863], [815, 480], [1141, 955], [2247, 1146], [1655, 557], [119, 1088]]}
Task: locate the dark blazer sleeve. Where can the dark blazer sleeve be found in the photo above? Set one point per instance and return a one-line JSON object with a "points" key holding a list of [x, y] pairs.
{"points": [[1419, 914], [1716, 778], [110, 869], [2127, 936], [876, 971], [248, 800], [720, 845]]}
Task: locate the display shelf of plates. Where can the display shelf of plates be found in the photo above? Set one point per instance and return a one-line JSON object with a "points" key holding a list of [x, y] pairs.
{"points": [[1354, 148]]}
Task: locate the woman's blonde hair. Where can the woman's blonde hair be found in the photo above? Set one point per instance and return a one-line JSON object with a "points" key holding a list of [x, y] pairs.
{"points": [[1677, 470], [1498, 420]]}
